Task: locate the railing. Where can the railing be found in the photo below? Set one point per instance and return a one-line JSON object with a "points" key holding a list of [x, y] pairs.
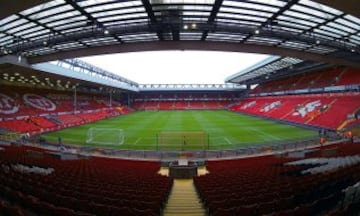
{"points": [[186, 87], [219, 154], [195, 155], [271, 148], [345, 89]]}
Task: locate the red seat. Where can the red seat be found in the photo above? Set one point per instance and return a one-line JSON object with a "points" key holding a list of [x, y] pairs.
{"points": [[247, 210], [266, 207], [225, 212], [12, 211], [123, 211]]}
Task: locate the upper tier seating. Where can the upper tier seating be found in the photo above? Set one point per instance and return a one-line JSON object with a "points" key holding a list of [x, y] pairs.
{"points": [[22, 126], [330, 77], [25, 109], [22, 101], [349, 77]]}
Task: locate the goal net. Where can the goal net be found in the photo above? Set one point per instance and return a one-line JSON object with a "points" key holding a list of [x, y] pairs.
{"points": [[182, 140], [12, 136], [105, 136]]}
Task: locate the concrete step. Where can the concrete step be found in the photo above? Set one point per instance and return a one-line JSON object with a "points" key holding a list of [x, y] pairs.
{"points": [[183, 200]]}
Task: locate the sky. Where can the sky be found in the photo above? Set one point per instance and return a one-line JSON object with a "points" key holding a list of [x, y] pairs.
{"points": [[176, 67]]}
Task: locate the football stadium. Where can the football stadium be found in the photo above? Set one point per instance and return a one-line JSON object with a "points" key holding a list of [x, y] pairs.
{"points": [[280, 136]]}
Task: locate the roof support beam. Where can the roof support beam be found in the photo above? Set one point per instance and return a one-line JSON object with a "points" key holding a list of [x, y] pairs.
{"points": [[280, 12], [349, 6], [90, 18], [212, 17], [11, 7], [15, 38], [273, 17], [194, 45], [81, 10], [40, 24], [322, 24], [312, 28], [98, 32], [150, 12]]}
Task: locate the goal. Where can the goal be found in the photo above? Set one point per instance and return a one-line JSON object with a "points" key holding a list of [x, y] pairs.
{"points": [[11, 136], [182, 140], [105, 136]]}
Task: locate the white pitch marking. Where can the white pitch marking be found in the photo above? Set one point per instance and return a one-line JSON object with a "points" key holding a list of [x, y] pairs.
{"points": [[263, 133], [227, 140], [65, 139], [138, 140]]}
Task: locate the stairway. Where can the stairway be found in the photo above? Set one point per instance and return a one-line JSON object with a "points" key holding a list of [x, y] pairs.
{"points": [[183, 200]]}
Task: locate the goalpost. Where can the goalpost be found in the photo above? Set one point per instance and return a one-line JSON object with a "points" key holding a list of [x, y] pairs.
{"points": [[12, 136], [182, 140], [105, 136]]}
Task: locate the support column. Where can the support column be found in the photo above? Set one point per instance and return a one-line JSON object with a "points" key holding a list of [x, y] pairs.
{"points": [[75, 100], [110, 102], [128, 100]]}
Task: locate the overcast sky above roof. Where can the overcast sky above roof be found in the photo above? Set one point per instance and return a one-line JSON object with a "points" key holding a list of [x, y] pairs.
{"points": [[176, 67]]}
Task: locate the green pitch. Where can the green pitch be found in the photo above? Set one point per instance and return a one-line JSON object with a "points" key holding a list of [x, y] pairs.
{"points": [[224, 130]]}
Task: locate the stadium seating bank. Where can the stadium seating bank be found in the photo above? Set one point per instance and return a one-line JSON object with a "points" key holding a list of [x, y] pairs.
{"points": [[334, 77], [81, 187], [323, 181], [332, 110], [183, 101], [29, 110], [324, 99], [334, 105], [273, 185]]}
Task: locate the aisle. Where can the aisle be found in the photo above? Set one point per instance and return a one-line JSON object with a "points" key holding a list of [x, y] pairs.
{"points": [[184, 200]]}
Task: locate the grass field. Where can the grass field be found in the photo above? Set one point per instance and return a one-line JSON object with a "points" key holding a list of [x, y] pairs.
{"points": [[224, 130]]}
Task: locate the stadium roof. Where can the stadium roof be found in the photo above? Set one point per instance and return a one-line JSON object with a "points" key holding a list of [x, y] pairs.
{"points": [[298, 30], [62, 75], [273, 68]]}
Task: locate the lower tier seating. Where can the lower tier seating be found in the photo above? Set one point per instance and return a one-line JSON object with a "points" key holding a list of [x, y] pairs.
{"points": [[22, 126], [324, 110], [38, 124], [87, 186], [268, 186]]}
